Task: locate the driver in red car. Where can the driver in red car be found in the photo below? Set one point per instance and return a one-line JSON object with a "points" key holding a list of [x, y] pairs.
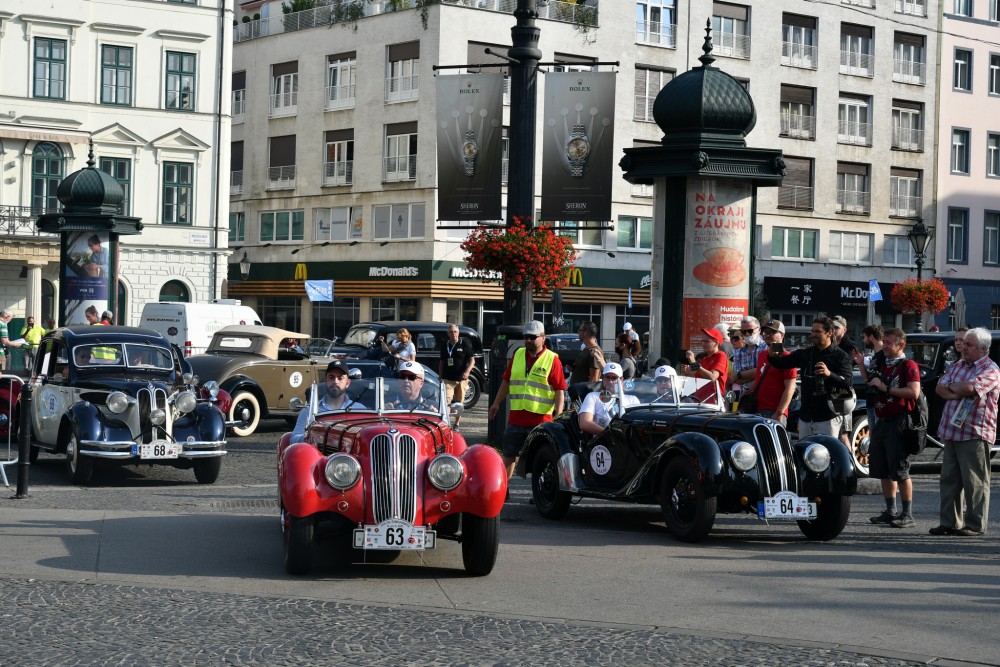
{"points": [[336, 398], [411, 381]]}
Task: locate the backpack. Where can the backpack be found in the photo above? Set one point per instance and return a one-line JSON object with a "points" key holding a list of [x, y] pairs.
{"points": [[913, 426]]}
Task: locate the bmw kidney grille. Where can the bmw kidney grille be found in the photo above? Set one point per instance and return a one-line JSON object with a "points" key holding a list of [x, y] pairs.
{"points": [[394, 476], [777, 465]]}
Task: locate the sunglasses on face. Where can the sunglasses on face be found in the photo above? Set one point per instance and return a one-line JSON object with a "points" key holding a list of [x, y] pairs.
{"points": [[529, 337], [747, 332], [735, 337], [410, 377]]}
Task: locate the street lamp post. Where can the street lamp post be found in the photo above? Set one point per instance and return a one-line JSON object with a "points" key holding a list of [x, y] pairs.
{"points": [[919, 236], [245, 267]]}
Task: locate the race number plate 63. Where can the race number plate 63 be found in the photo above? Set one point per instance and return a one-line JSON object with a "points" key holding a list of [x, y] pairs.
{"points": [[158, 449], [786, 505], [394, 534]]}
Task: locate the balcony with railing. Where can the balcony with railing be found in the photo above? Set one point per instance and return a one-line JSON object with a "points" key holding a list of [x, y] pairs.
{"points": [[338, 173], [504, 170], [21, 221], [401, 88], [284, 104], [795, 196], [904, 206], [857, 64], [236, 183], [854, 133], [731, 44], [795, 54], [340, 97], [239, 105], [796, 126], [909, 71], [911, 7], [656, 33], [907, 139], [399, 168], [853, 201], [281, 178], [346, 12]]}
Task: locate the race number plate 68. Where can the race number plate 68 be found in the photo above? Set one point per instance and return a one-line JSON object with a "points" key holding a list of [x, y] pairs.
{"points": [[786, 505], [158, 449], [394, 534]]}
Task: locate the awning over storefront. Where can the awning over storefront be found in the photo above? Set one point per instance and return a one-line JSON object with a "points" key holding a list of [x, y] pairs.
{"points": [[42, 134]]}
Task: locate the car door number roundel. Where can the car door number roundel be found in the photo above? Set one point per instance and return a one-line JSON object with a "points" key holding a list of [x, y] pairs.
{"points": [[295, 379], [600, 460], [49, 404]]}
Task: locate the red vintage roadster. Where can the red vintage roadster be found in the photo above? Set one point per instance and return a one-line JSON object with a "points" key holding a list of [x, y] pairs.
{"points": [[385, 475]]}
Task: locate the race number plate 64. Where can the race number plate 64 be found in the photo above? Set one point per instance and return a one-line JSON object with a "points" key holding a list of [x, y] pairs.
{"points": [[786, 505], [394, 534]]}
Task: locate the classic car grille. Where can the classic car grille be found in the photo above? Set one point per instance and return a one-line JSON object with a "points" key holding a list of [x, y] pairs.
{"points": [[149, 399], [776, 460], [394, 476]]}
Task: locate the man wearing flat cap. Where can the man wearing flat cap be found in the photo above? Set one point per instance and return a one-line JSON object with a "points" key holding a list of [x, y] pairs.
{"points": [[337, 382]]}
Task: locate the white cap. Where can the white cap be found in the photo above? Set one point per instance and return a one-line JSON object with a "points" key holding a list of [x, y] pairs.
{"points": [[627, 327], [613, 368], [534, 328], [664, 372], [411, 367]]}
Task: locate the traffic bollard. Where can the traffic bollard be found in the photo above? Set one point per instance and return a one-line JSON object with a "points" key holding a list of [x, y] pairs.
{"points": [[23, 441]]}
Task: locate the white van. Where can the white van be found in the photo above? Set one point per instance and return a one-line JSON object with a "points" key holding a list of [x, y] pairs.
{"points": [[190, 325]]}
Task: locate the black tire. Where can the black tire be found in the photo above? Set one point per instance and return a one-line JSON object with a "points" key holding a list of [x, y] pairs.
{"points": [[299, 533], [480, 543], [860, 443], [245, 399], [80, 468], [550, 501], [206, 471], [832, 512], [33, 454], [472, 392], [688, 510]]}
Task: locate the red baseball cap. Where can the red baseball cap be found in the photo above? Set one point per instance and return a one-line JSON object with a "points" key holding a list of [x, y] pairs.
{"points": [[714, 334]]}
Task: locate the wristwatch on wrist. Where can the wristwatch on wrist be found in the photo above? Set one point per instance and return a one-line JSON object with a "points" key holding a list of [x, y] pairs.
{"points": [[470, 149], [577, 150]]}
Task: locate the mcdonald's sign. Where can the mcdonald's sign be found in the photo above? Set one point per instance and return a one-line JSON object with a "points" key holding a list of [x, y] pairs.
{"points": [[300, 272], [575, 277]]}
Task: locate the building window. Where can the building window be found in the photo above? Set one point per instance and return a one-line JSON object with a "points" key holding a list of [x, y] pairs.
{"points": [[995, 316], [912, 7], [791, 243], [586, 233], [995, 73], [335, 319], [853, 188], [400, 157], [991, 238], [635, 233], [239, 96], [798, 116], [648, 83], [338, 157], [341, 73], [237, 228], [178, 182], [281, 163], [504, 156], [995, 10], [50, 68], [960, 151], [907, 126], [284, 89], [993, 155], [395, 309], [857, 50], [854, 121], [796, 189], [567, 62], [175, 290], [798, 41], [339, 223], [962, 7], [47, 170], [731, 29], [958, 234], [180, 80], [116, 75], [283, 312], [401, 67], [897, 251], [399, 221], [962, 73], [236, 168], [282, 226], [908, 59], [904, 193], [120, 169], [656, 22], [850, 247]]}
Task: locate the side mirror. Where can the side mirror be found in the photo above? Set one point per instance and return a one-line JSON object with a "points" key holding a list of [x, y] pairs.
{"points": [[456, 409], [296, 403]]}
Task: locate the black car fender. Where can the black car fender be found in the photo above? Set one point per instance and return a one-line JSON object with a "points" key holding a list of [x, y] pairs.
{"points": [[237, 383], [699, 448], [86, 420], [839, 478], [555, 433], [206, 422]]}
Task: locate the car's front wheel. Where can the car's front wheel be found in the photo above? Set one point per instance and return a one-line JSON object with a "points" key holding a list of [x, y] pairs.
{"points": [[861, 438], [299, 532], [206, 471], [480, 543], [245, 400], [832, 512], [80, 468], [688, 510], [550, 501]]}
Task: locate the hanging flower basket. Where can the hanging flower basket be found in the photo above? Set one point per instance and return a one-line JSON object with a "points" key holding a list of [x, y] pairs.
{"points": [[927, 296], [520, 257]]}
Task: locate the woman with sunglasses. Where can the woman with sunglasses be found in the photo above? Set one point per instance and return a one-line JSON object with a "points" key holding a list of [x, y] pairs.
{"points": [[402, 349]]}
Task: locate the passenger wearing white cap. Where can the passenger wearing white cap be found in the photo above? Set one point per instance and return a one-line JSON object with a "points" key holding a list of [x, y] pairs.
{"points": [[599, 407], [666, 379]]}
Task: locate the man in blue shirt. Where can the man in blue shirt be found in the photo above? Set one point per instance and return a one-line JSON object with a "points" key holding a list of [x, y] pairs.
{"points": [[337, 382]]}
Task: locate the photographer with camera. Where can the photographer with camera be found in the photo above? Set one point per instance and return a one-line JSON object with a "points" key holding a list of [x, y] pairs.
{"points": [[827, 374]]}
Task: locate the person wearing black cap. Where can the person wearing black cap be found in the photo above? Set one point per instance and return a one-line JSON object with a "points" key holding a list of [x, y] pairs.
{"points": [[337, 382]]}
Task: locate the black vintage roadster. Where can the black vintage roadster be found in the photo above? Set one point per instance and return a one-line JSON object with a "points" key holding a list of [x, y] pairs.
{"points": [[695, 460]]}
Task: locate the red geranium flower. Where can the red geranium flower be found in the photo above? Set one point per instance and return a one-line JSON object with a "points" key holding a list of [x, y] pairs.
{"points": [[520, 256], [927, 296]]}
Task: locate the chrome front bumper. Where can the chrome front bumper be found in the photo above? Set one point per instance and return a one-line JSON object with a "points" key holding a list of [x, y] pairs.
{"points": [[123, 449]]}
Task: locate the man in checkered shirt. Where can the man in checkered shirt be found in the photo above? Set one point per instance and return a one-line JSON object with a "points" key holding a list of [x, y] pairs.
{"points": [[968, 428], [745, 358]]}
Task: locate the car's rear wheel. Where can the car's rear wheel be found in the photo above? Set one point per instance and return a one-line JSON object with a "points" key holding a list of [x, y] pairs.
{"points": [[688, 510], [550, 501], [206, 471], [299, 533], [480, 543], [80, 468], [832, 512], [245, 400], [472, 392], [861, 438]]}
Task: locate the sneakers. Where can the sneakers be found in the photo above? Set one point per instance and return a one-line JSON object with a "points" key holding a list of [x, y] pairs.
{"points": [[903, 521], [885, 517]]}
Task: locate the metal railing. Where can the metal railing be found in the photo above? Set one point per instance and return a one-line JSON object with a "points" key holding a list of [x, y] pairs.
{"points": [[853, 201], [399, 168], [855, 133], [239, 105], [504, 170], [797, 126], [857, 64], [236, 182], [656, 33], [732, 45], [338, 173], [281, 178], [340, 97], [400, 88], [913, 7], [904, 206], [20, 221], [907, 139], [909, 71], [285, 104], [795, 196], [795, 54]]}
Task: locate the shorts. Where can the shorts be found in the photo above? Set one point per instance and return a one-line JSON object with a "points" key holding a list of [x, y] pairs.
{"points": [[456, 388], [847, 425], [829, 427], [513, 440], [887, 456]]}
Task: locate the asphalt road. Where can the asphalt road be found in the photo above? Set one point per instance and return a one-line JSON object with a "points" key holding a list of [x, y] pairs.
{"points": [[148, 567]]}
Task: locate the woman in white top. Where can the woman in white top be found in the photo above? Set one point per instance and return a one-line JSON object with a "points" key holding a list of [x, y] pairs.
{"points": [[600, 407], [402, 349]]}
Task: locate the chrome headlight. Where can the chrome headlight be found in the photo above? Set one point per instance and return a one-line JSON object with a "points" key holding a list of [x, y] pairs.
{"points": [[186, 402], [212, 387], [158, 416], [342, 471], [445, 472], [187, 378], [744, 456], [117, 402], [817, 457]]}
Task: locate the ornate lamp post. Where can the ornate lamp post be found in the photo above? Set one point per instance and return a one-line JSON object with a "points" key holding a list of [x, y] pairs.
{"points": [[919, 236], [245, 266]]}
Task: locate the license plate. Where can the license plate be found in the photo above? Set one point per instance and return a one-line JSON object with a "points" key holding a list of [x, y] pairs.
{"points": [[786, 505], [394, 534], [159, 449]]}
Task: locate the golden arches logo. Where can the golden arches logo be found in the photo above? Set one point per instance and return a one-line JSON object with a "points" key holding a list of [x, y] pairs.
{"points": [[300, 272], [575, 277]]}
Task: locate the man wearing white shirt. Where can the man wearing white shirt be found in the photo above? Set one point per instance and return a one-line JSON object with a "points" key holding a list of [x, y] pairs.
{"points": [[600, 407]]}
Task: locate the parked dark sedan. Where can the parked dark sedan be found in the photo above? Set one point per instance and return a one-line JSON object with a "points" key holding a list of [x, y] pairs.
{"points": [[695, 460]]}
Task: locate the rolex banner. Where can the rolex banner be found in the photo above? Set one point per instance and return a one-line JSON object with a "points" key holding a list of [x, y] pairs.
{"points": [[577, 145], [469, 147]]}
